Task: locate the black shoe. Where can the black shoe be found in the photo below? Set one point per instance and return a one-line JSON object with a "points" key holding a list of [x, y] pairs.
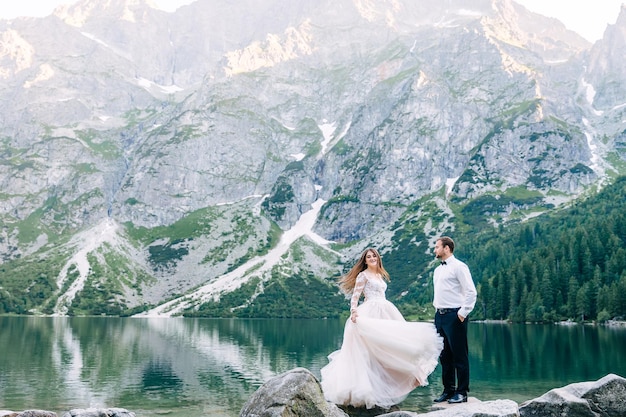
{"points": [[457, 398], [444, 396]]}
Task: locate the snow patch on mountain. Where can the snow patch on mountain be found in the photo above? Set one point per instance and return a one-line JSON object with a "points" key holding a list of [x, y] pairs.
{"points": [[151, 86], [88, 243], [327, 131], [590, 93], [234, 279]]}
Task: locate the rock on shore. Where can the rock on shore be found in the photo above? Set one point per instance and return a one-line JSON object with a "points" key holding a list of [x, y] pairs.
{"points": [[77, 412], [297, 393]]}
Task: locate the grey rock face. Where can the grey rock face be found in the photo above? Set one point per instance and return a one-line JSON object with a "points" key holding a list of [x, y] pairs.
{"points": [[605, 397], [293, 393], [497, 408], [298, 393], [99, 412], [36, 413], [181, 135]]}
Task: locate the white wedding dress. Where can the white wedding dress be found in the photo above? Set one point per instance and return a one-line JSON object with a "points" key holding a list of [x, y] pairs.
{"points": [[383, 357]]}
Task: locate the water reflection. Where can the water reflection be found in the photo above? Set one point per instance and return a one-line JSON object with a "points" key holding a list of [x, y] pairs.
{"points": [[524, 361], [167, 364], [211, 366]]}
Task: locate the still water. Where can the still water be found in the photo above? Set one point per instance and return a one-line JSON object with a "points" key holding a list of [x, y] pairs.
{"points": [[193, 367]]}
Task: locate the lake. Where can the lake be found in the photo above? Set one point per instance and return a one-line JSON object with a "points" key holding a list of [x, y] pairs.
{"points": [[188, 367]]}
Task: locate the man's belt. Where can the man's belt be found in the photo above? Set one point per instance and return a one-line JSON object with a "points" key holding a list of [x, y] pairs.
{"points": [[448, 310]]}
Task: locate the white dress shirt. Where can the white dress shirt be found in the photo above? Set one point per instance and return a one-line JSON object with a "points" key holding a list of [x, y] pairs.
{"points": [[454, 286]]}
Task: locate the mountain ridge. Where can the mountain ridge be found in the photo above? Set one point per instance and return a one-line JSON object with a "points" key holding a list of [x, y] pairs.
{"points": [[153, 121]]}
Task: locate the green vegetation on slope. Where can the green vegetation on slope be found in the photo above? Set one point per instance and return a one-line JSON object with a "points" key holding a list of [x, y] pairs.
{"points": [[570, 264]]}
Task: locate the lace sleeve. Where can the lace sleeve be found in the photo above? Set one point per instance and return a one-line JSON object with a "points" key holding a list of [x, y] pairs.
{"points": [[361, 279]]}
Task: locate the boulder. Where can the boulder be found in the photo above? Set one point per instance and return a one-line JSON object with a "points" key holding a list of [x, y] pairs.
{"points": [[27, 413], [294, 393], [99, 412], [497, 408], [298, 393], [605, 397]]}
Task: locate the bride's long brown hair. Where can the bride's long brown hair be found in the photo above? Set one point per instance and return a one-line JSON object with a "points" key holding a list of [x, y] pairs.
{"points": [[348, 281]]}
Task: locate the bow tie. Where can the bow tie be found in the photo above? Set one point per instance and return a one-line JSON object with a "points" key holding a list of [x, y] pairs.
{"points": [[443, 263]]}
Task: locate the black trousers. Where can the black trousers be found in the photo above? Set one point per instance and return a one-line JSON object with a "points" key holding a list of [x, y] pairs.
{"points": [[454, 357]]}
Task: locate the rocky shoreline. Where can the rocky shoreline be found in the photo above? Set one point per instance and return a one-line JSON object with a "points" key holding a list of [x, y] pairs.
{"points": [[297, 393], [86, 412]]}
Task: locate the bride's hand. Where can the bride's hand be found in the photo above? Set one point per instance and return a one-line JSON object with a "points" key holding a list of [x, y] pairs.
{"points": [[353, 316]]}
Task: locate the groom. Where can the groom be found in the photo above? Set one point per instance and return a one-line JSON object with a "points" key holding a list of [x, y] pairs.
{"points": [[454, 298]]}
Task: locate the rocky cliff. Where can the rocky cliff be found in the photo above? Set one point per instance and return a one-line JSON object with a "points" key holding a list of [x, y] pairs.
{"points": [[148, 155]]}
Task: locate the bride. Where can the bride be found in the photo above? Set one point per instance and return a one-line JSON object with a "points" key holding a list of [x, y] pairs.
{"points": [[383, 357]]}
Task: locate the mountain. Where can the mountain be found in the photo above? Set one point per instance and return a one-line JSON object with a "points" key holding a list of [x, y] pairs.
{"points": [[230, 157]]}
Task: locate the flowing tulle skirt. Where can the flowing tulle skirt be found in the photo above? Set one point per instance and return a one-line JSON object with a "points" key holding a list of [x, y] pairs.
{"points": [[382, 359]]}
